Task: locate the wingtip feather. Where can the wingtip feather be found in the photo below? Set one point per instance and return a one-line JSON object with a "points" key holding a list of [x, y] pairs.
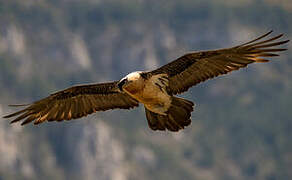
{"points": [[14, 114], [23, 123], [13, 121], [261, 60], [7, 116]]}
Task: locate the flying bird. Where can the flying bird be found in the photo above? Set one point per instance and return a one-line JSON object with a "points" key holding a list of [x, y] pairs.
{"points": [[155, 89]]}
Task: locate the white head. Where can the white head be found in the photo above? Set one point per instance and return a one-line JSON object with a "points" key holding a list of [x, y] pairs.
{"points": [[133, 76], [130, 78]]}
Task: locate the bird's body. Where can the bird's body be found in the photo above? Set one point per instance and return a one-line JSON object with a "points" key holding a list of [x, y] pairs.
{"points": [[155, 89], [150, 92]]}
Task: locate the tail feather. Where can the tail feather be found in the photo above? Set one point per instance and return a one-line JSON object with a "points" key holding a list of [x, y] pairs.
{"points": [[178, 116], [154, 122]]}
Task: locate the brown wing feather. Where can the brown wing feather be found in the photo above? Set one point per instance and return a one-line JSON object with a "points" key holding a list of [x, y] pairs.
{"points": [[74, 102], [197, 67]]}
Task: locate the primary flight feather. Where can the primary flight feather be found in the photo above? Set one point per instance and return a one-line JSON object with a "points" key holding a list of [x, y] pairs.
{"points": [[155, 89]]}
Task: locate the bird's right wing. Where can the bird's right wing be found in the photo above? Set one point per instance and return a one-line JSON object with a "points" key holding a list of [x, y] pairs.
{"points": [[193, 68], [75, 102]]}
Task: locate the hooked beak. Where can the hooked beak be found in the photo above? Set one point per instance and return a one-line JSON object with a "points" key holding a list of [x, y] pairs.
{"points": [[122, 83]]}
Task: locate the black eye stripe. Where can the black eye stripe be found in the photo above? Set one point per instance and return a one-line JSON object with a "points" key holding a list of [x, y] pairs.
{"points": [[121, 83]]}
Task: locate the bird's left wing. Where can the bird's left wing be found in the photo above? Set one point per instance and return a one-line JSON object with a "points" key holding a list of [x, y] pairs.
{"points": [[75, 102], [197, 67]]}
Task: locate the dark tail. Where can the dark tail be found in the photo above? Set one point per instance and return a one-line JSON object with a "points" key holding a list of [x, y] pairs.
{"points": [[178, 116]]}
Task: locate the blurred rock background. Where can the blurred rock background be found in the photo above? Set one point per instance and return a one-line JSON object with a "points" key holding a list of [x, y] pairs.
{"points": [[242, 124]]}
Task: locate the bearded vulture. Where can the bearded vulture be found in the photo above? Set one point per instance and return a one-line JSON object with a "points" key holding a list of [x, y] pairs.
{"points": [[155, 89]]}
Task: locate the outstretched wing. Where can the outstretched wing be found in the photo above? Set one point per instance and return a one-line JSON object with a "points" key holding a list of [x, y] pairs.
{"points": [[197, 67], [75, 102]]}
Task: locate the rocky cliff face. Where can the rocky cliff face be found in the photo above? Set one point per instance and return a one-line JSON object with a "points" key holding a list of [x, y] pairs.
{"points": [[241, 127]]}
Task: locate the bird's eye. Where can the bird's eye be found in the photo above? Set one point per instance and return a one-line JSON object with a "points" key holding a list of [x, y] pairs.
{"points": [[121, 84]]}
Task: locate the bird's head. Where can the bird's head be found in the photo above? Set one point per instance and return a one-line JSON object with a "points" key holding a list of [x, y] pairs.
{"points": [[131, 78]]}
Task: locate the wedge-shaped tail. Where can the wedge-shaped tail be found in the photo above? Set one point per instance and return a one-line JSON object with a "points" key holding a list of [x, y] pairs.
{"points": [[178, 116]]}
